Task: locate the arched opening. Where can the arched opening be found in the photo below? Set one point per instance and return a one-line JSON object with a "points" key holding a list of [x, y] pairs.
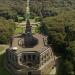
{"points": [[29, 73]]}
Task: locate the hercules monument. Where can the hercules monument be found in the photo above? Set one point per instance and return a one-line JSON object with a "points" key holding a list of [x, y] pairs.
{"points": [[29, 54]]}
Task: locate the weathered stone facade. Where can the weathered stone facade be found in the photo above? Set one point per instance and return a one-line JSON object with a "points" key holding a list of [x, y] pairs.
{"points": [[29, 54], [30, 62]]}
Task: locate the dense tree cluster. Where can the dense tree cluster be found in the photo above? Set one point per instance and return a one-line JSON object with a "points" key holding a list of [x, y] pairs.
{"points": [[15, 8], [6, 30], [11, 9], [51, 7], [61, 36]]}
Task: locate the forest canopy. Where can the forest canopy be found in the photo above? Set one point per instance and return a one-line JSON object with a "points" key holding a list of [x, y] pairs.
{"points": [[14, 8], [61, 36]]}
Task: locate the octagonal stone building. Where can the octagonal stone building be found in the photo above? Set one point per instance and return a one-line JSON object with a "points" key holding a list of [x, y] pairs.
{"points": [[32, 60], [29, 54]]}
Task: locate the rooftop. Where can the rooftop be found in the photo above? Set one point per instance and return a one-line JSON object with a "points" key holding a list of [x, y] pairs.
{"points": [[39, 47]]}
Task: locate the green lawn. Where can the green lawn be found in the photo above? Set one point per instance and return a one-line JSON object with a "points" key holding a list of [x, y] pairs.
{"points": [[18, 30], [2, 69]]}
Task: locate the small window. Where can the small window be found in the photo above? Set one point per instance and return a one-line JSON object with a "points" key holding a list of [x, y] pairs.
{"points": [[42, 58], [29, 57], [24, 57], [34, 57], [45, 56]]}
